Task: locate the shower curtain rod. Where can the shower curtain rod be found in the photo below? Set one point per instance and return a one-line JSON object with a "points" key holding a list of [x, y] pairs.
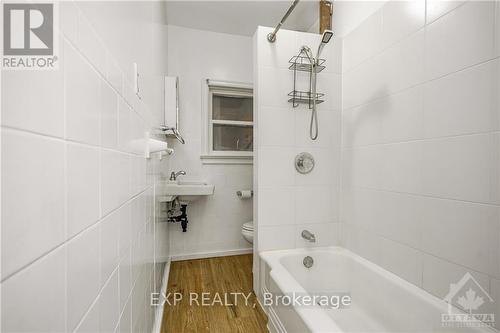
{"points": [[271, 37]]}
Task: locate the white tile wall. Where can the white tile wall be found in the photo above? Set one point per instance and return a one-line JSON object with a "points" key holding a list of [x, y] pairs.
{"points": [[472, 23], [32, 168], [90, 322], [279, 203], [115, 185], [315, 204], [82, 165], [83, 274], [437, 274], [26, 113], [82, 96], [276, 166], [276, 237], [420, 121], [289, 202], [363, 42], [465, 102], [438, 8], [401, 260], [400, 19], [34, 299], [109, 304], [446, 224], [109, 116], [110, 244], [78, 234], [463, 168]]}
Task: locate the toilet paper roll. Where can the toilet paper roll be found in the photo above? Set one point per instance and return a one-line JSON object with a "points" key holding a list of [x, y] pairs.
{"points": [[244, 194]]}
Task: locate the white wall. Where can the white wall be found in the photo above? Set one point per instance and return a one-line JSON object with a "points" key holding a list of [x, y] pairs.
{"points": [[288, 202], [421, 189], [215, 221], [80, 249]]}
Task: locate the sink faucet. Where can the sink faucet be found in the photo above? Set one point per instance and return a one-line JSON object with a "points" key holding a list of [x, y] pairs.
{"points": [[174, 175], [307, 235]]}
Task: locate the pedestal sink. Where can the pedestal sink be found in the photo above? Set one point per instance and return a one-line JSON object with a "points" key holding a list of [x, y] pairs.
{"points": [[185, 191]]}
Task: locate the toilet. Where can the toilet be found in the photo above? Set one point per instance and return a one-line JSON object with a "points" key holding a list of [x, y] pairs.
{"points": [[247, 231]]}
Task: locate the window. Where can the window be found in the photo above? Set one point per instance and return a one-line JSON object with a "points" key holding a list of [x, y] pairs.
{"points": [[228, 112]]}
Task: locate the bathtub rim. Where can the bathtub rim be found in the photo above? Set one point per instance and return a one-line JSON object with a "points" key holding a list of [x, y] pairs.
{"points": [[316, 317]]}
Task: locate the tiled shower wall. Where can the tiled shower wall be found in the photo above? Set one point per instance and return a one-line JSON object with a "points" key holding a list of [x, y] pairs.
{"points": [[288, 202], [421, 143], [80, 249]]}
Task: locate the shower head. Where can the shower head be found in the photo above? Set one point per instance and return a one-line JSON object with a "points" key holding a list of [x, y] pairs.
{"points": [[327, 35]]}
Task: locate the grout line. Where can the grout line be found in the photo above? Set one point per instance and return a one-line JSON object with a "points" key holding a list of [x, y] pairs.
{"points": [[102, 78], [422, 251], [424, 196], [68, 240], [423, 83], [401, 39], [431, 139], [66, 221], [67, 141], [97, 298]]}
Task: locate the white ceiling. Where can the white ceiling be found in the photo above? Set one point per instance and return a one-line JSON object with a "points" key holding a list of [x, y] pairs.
{"points": [[240, 17]]}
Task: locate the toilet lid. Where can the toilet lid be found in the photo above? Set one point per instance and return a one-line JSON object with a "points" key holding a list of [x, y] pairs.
{"points": [[248, 226]]}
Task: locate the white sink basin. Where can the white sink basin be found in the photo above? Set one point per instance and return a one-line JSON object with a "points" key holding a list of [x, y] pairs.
{"points": [[186, 191]]}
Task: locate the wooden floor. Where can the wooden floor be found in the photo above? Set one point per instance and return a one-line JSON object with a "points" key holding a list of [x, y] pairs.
{"points": [[221, 275]]}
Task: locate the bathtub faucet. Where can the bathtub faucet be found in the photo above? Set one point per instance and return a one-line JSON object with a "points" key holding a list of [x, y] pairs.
{"points": [[174, 175], [307, 235]]}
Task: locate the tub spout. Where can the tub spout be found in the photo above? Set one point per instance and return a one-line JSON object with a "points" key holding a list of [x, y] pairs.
{"points": [[307, 235]]}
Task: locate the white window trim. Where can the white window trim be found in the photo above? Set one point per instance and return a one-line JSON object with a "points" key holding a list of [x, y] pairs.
{"points": [[208, 155]]}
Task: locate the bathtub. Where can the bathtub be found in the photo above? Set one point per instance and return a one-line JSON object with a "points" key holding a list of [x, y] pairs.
{"points": [[381, 301]]}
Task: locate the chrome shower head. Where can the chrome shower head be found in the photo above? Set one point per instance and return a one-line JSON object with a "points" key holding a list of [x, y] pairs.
{"points": [[327, 35]]}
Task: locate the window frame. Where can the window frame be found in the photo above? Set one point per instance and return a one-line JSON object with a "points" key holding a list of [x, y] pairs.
{"points": [[229, 89]]}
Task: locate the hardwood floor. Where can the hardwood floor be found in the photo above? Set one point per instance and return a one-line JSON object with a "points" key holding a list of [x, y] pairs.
{"points": [[213, 276]]}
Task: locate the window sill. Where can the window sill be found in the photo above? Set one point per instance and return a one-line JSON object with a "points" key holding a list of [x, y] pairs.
{"points": [[221, 159]]}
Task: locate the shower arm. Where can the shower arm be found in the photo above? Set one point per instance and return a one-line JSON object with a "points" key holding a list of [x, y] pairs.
{"points": [[271, 37]]}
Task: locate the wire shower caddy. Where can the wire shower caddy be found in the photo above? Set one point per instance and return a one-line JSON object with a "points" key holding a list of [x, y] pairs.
{"points": [[302, 63]]}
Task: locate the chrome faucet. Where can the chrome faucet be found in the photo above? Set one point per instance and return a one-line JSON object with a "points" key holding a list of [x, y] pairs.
{"points": [[174, 175], [307, 235]]}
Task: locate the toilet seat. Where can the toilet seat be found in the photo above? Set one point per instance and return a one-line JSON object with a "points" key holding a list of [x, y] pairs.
{"points": [[247, 226], [247, 231]]}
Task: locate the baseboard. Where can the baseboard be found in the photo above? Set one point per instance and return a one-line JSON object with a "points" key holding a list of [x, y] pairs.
{"points": [[163, 291], [202, 255]]}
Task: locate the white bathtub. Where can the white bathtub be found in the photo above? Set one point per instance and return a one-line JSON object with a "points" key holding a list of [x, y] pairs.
{"points": [[381, 301]]}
